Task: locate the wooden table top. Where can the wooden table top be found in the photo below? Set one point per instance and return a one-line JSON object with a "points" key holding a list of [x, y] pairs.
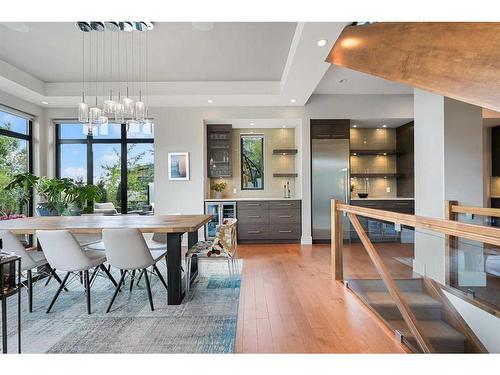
{"points": [[95, 223]]}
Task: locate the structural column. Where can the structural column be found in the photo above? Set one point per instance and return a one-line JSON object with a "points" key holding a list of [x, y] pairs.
{"points": [[448, 166]]}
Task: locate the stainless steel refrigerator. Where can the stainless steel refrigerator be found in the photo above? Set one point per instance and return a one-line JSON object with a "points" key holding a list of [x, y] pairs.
{"points": [[330, 180]]}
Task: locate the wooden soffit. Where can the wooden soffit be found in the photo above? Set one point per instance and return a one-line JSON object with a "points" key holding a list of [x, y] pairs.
{"points": [[460, 60]]}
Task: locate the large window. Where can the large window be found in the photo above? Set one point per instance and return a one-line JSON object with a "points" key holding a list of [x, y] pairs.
{"points": [[252, 162], [15, 158], [120, 161]]}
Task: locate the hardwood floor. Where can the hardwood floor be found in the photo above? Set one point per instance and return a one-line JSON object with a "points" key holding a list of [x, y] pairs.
{"points": [[289, 304]]}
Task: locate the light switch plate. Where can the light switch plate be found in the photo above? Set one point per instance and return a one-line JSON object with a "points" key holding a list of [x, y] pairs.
{"points": [[388, 189], [235, 191]]}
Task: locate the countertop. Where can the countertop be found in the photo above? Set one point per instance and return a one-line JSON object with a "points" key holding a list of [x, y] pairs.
{"points": [[382, 199], [250, 199]]}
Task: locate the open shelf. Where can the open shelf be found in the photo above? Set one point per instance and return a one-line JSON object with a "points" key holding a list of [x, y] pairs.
{"points": [[373, 152], [285, 151], [285, 174]]}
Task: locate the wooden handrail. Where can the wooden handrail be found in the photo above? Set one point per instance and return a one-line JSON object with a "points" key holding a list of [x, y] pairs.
{"points": [[393, 289], [480, 211], [473, 232]]}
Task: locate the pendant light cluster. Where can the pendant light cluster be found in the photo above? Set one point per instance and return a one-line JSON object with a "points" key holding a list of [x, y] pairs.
{"points": [[106, 46]]}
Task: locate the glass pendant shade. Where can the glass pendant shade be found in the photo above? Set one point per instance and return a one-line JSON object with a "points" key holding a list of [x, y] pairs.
{"points": [[119, 112], [86, 129], [103, 128], [128, 106], [83, 112], [147, 127], [94, 115], [108, 106], [103, 120], [133, 127], [140, 111]]}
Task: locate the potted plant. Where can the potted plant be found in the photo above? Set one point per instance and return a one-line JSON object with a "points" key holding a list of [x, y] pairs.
{"points": [[80, 198], [218, 187], [22, 185], [51, 191]]}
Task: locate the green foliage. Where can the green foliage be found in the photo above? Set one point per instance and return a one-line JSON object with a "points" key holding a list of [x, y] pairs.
{"points": [[252, 154], [218, 186]]}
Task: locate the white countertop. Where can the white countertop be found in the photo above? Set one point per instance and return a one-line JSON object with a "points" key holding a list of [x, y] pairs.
{"points": [[250, 199], [382, 199]]}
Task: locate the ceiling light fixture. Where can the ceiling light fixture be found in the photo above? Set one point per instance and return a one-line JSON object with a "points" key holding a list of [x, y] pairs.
{"points": [[284, 126], [44, 102], [343, 80], [355, 126], [384, 126], [210, 101], [252, 124], [321, 42], [293, 100]]}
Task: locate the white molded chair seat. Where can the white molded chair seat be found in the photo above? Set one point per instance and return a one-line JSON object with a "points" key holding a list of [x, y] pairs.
{"points": [[127, 250], [65, 254]]}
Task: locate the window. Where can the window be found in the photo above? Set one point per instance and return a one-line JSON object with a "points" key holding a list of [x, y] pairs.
{"points": [[252, 162], [15, 158], [120, 161]]}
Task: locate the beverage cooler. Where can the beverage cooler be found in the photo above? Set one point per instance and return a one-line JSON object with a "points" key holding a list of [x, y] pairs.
{"points": [[219, 211]]}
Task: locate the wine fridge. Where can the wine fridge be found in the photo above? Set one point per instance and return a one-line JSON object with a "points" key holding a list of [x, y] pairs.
{"points": [[219, 211]]}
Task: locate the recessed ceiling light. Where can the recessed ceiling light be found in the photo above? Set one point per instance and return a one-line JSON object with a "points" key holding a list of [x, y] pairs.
{"points": [[252, 124], [384, 126], [343, 80], [210, 101], [355, 126], [293, 100], [44, 102], [321, 42], [284, 126]]}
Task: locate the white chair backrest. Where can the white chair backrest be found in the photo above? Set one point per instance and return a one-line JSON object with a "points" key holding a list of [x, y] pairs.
{"points": [[126, 248], [62, 250], [12, 244], [104, 206]]}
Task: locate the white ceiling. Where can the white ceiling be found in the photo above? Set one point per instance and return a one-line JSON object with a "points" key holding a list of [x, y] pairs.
{"points": [[52, 51], [339, 80], [260, 123]]}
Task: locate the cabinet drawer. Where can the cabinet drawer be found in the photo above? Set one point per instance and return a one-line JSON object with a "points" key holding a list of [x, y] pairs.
{"points": [[283, 205], [284, 232], [368, 203], [289, 216], [253, 231], [253, 216], [253, 205]]}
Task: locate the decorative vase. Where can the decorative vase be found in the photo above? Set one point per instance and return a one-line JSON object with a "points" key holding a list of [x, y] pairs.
{"points": [[218, 195]]}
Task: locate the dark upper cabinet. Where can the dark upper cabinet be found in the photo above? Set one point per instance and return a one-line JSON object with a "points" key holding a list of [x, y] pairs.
{"points": [[219, 155], [330, 129], [405, 163], [495, 151]]}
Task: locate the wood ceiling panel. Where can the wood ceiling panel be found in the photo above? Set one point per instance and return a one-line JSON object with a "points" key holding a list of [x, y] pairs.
{"points": [[460, 60]]}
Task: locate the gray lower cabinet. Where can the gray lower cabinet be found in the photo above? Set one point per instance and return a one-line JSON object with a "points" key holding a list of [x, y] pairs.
{"points": [[269, 221]]}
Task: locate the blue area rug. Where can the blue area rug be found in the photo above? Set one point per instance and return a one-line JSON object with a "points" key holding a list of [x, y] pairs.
{"points": [[205, 322]]}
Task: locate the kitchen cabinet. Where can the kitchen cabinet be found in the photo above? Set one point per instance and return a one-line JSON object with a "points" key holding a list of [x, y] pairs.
{"points": [[219, 147], [495, 151]]}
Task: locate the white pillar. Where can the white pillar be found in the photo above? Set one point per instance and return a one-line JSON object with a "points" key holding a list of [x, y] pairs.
{"points": [[448, 166]]}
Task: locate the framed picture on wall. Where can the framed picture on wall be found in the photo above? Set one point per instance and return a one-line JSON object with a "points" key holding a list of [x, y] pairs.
{"points": [[178, 166]]}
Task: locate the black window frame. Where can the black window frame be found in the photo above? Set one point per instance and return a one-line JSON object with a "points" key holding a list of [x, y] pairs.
{"points": [[123, 141], [242, 136], [29, 139]]}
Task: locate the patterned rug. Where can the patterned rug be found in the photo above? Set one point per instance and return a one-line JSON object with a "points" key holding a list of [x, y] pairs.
{"points": [[205, 322]]}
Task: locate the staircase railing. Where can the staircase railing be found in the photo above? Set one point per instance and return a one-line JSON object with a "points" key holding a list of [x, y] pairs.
{"points": [[449, 228]]}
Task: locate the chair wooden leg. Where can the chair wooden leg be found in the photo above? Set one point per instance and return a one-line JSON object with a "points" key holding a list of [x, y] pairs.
{"points": [[160, 276], [148, 287], [132, 280], [30, 291], [58, 291], [122, 278], [86, 281]]}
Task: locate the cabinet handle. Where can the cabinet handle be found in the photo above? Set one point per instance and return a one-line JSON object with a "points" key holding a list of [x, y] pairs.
{"points": [[284, 204], [285, 216], [253, 216], [285, 231], [253, 231], [401, 203], [253, 204], [323, 135]]}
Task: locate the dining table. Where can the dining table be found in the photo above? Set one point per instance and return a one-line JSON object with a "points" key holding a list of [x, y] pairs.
{"points": [[173, 225]]}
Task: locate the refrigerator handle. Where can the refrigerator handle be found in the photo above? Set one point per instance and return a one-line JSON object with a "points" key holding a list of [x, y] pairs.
{"points": [[346, 185]]}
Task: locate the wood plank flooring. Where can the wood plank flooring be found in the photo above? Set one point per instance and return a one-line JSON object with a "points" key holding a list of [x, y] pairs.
{"points": [[289, 304]]}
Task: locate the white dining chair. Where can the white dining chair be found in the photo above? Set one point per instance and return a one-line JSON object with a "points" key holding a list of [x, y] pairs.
{"points": [[223, 248], [64, 253], [127, 250], [30, 260]]}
